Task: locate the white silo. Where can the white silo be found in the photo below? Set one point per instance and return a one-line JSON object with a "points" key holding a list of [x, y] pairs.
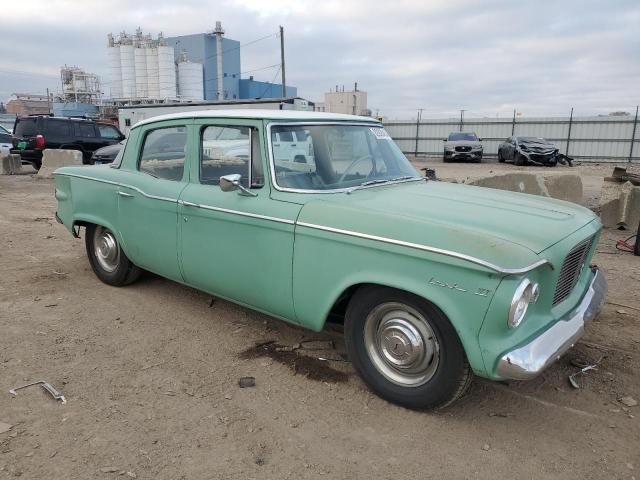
{"points": [[166, 72], [115, 71], [127, 63], [190, 80], [153, 88], [140, 59]]}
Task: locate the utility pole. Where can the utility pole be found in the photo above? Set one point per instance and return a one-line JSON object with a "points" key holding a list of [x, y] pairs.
{"points": [[569, 132], [461, 118], [418, 129], [633, 137], [284, 80], [49, 102]]}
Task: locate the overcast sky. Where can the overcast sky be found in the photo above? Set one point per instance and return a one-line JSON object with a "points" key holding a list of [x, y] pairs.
{"points": [[488, 57]]}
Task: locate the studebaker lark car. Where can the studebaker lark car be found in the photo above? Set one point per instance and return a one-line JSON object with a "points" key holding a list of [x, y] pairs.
{"points": [[435, 282]]}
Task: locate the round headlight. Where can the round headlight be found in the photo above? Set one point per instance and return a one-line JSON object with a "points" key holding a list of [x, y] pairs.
{"points": [[525, 294]]}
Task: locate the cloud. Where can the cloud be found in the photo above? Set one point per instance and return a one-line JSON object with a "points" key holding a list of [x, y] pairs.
{"points": [[540, 57]]}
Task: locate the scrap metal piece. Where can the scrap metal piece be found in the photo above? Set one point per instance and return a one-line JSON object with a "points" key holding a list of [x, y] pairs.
{"points": [[47, 386]]}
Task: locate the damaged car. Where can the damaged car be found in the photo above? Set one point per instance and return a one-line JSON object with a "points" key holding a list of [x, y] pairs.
{"points": [[529, 150]]}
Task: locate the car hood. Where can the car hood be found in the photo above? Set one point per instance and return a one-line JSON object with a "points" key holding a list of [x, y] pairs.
{"points": [[505, 228], [109, 150], [536, 145], [460, 143]]}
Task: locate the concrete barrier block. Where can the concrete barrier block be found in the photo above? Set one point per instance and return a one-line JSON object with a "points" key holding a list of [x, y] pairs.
{"points": [[619, 204], [563, 186], [513, 182], [54, 159], [11, 164]]}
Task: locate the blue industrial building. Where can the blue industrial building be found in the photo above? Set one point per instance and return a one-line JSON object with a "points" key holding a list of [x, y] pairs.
{"points": [[201, 48], [250, 88]]}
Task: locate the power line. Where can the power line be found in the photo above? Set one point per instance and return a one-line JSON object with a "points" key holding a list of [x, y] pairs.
{"points": [[233, 48], [270, 83]]}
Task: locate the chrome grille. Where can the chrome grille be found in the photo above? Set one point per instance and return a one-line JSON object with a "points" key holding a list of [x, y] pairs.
{"points": [[570, 271]]}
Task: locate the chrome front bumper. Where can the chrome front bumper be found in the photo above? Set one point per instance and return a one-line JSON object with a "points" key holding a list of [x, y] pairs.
{"points": [[529, 360]]}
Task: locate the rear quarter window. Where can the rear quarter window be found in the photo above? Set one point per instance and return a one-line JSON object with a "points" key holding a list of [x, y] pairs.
{"points": [[58, 128], [26, 127]]}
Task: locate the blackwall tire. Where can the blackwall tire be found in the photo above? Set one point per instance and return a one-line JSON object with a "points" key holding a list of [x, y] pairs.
{"points": [[405, 349], [108, 261]]}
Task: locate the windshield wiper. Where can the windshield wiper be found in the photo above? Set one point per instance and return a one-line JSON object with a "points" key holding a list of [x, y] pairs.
{"points": [[380, 182]]}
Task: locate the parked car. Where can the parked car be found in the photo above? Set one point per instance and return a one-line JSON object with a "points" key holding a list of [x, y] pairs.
{"points": [[462, 146], [31, 135], [4, 130], [106, 154], [525, 150], [5, 144], [434, 281]]}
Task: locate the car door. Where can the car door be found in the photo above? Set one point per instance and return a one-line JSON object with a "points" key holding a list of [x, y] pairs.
{"points": [[148, 196], [236, 245]]}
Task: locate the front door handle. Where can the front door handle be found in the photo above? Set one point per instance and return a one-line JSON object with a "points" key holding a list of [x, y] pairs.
{"points": [[124, 194], [188, 204]]}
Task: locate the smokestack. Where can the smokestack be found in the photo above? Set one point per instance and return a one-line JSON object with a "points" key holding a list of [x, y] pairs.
{"points": [[355, 87], [219, 32]]}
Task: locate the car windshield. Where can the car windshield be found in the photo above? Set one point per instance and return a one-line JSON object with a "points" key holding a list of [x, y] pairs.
{"points": [[463, 137], [335, 157]]}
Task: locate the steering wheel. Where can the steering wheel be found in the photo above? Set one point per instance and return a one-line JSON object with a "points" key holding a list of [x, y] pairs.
{"points": [[354, 163]]}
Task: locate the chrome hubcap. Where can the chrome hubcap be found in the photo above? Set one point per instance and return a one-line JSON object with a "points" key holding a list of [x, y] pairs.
{"points": [[106, 249], [401, 344]]}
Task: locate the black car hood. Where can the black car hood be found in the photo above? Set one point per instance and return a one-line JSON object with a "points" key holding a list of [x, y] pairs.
{"points": [[109, 150], [536, 145]]}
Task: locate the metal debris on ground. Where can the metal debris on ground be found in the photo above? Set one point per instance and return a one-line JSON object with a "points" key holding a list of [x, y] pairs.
{"points": [[46, 386], [323, 359], [583, 369], [246, 382]]}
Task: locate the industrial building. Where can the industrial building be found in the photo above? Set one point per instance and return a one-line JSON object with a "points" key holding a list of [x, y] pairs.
{"points": [[186, 68], [350, 102], [28, 104]]}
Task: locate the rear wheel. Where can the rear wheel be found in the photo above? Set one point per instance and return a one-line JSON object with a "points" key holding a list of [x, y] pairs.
{"points": [[405, 349], [108, 261]]}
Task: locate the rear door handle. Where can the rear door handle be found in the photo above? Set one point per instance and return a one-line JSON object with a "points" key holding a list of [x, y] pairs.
{"points": [[124, 194]]}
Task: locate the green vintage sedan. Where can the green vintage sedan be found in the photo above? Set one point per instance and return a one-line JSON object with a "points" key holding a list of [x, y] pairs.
{"points": [[307, 216]]}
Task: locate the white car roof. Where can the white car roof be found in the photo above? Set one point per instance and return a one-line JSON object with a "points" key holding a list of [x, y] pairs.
{"points": [[260, 114]]}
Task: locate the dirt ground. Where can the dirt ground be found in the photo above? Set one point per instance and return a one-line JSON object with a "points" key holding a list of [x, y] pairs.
{"points": [[150, 373]]}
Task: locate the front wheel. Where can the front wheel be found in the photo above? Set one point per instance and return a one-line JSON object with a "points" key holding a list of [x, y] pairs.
{"points": [[108, 261], [405, 349]]}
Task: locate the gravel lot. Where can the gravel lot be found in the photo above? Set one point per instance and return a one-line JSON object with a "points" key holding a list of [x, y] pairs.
{"points": [[151, 374]]}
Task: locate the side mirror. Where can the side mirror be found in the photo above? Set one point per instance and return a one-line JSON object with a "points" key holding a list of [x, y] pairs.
{"points": [[479, 139], [229, 183], [445, 139]]}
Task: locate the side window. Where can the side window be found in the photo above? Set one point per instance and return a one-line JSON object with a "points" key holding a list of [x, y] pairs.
{"points": [[163, 153], [86, 130], [225, 151], [108, 131], [58, 128]]}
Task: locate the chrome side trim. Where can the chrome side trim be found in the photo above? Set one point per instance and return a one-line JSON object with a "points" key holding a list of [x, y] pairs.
{"points": [[272, 168], [416, 246], [118, 184], [531, 359], [237, 212], [426, 248]]}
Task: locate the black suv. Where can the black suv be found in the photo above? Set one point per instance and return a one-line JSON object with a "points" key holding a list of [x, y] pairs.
{"points": [[31, 135]]}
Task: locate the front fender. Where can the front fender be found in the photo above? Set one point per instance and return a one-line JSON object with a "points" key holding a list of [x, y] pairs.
{"points": [[325, 266]]}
